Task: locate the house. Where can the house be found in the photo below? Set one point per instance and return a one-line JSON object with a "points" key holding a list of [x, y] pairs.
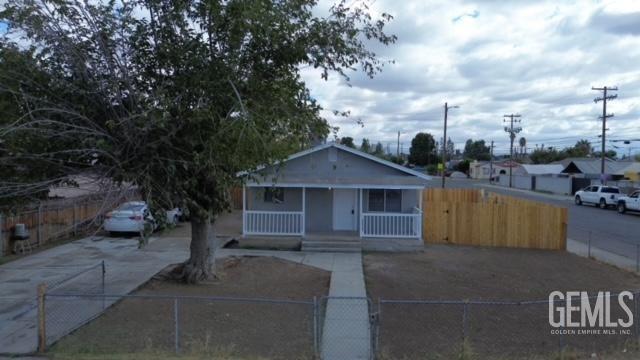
{"points": [[333, 190], [632, 171], [539, 169], [590, 168], [481, 169]]}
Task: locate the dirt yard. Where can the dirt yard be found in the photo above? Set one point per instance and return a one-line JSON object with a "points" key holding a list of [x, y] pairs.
{"points": [[215, 329], [489, 274]]}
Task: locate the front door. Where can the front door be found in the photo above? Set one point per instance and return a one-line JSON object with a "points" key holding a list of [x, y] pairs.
{"points": [[344, 209]]}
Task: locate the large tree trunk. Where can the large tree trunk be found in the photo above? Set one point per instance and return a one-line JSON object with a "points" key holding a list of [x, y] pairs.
{"points": [[201, 263]]}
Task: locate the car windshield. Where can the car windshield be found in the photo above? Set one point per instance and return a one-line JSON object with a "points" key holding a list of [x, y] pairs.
{"points": [[130, 207], [610, 190]]}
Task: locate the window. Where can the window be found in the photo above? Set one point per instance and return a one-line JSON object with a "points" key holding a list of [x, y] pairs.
{"points": [[635, 194], [385, 200], [610, 190], [274, 195]]}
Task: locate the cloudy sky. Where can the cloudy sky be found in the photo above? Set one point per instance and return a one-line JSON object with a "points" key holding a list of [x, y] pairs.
{"points": [[536, 58]]}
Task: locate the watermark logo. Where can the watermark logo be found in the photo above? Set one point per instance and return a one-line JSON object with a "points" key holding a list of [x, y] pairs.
{"points": [[577, 312]]}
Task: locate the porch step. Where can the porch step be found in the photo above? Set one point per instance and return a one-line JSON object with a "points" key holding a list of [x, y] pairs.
{"points": [[331, 246]]}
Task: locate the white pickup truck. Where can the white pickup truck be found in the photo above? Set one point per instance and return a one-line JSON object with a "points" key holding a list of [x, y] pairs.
{"points": [[629, 203], [599, 195]]}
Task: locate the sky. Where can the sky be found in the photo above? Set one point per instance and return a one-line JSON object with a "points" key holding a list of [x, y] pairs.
{"points": [[538, 59]]}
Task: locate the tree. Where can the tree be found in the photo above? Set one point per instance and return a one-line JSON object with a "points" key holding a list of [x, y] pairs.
{"points": [[476, 150], [545, 156], [176, 97], [523, 146], [347, 141], [423, 149], [463, 166], [379, 150], [365, 146], [582, 148]]}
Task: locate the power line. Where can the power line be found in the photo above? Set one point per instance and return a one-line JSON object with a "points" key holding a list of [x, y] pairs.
{"points": [[604, 117], [512, 136]]}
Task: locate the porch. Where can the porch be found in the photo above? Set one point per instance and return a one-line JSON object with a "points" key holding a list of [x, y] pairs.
{"points": [[354, 212]]}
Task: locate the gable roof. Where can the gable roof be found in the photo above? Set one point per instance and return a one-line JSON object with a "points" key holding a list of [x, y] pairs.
{"points": [[364, 179]]}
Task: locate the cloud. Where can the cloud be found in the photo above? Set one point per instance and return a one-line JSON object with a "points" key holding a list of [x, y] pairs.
{"points": [[536, 58]]}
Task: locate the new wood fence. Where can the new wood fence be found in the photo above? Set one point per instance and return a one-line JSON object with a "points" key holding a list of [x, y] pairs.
{"points": [[473, 217]]}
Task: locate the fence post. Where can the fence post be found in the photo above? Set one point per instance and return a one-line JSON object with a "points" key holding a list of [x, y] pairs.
{"points": [[2, 250], [176, 325], [42, 324], [39, 230], [315, 326], [465, 309], [104, 271]]}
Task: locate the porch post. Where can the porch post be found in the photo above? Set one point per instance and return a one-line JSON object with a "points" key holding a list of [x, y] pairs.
{"points": [[304, 209], [361, 215], [244, 208]]}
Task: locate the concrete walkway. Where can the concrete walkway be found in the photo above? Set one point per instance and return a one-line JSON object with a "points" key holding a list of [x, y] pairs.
{"points": [[346, 330]]}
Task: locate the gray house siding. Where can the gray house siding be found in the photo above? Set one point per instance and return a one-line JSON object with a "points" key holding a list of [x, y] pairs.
{"points": [[329, 163], [292, 200]]}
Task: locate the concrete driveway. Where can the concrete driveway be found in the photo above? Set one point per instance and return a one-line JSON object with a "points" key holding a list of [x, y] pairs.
{"points": [[127, 267]]}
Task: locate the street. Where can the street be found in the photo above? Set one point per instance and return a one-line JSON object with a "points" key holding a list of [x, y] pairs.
{"points": [[608, 230]]}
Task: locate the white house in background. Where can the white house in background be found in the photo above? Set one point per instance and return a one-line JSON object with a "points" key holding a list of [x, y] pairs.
{"points": [[481, 169], [332, 189]]}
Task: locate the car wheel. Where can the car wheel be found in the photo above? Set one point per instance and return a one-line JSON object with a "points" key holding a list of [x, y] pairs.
{"points": [[603, 204], [622, 208], [578, 200]]}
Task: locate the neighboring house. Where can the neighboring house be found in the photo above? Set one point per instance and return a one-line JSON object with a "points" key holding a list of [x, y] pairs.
{"points": [[590, 168], [334, 189], [539, 169], [632, 171], [482, 169]]}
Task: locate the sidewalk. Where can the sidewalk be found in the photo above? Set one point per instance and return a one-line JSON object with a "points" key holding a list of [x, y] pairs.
{"points": [[604, 256], [528, 192], [346, 330]]}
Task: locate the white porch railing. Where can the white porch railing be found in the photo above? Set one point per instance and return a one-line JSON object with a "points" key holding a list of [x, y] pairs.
{"points": [[273, 222], [390, 225]]}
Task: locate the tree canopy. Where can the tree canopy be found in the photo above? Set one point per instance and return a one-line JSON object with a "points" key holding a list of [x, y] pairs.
{"points": [[175, 97], [476, 150], [423, 150]]}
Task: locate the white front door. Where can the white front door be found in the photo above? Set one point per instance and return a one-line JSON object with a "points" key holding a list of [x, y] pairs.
{"points": [[344, 209]]}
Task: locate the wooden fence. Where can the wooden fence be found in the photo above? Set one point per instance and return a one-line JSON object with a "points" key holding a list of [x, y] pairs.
{"points": [[56, 220], [473, 217]]}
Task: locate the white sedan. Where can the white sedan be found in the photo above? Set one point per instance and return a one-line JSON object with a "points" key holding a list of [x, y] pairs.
{"points": [[129, 217]]}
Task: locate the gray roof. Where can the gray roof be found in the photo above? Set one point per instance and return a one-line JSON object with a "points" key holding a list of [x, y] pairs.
{"points": [[542, 169], [592, 166]]}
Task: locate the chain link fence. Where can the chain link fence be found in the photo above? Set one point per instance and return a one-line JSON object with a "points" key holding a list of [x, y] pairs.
{"points": [[419, 329], [224, 327], [345, 328], [608, 246]]}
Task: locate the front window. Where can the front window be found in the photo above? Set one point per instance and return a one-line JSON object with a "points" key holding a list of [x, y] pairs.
{"points": [[385, 200], [274, 195]]}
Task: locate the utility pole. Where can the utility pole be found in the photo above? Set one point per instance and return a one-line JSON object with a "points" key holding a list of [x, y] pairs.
{"points": [[491, 163], [398, 148], [444, 141], [512, 136], [604, 117]]}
